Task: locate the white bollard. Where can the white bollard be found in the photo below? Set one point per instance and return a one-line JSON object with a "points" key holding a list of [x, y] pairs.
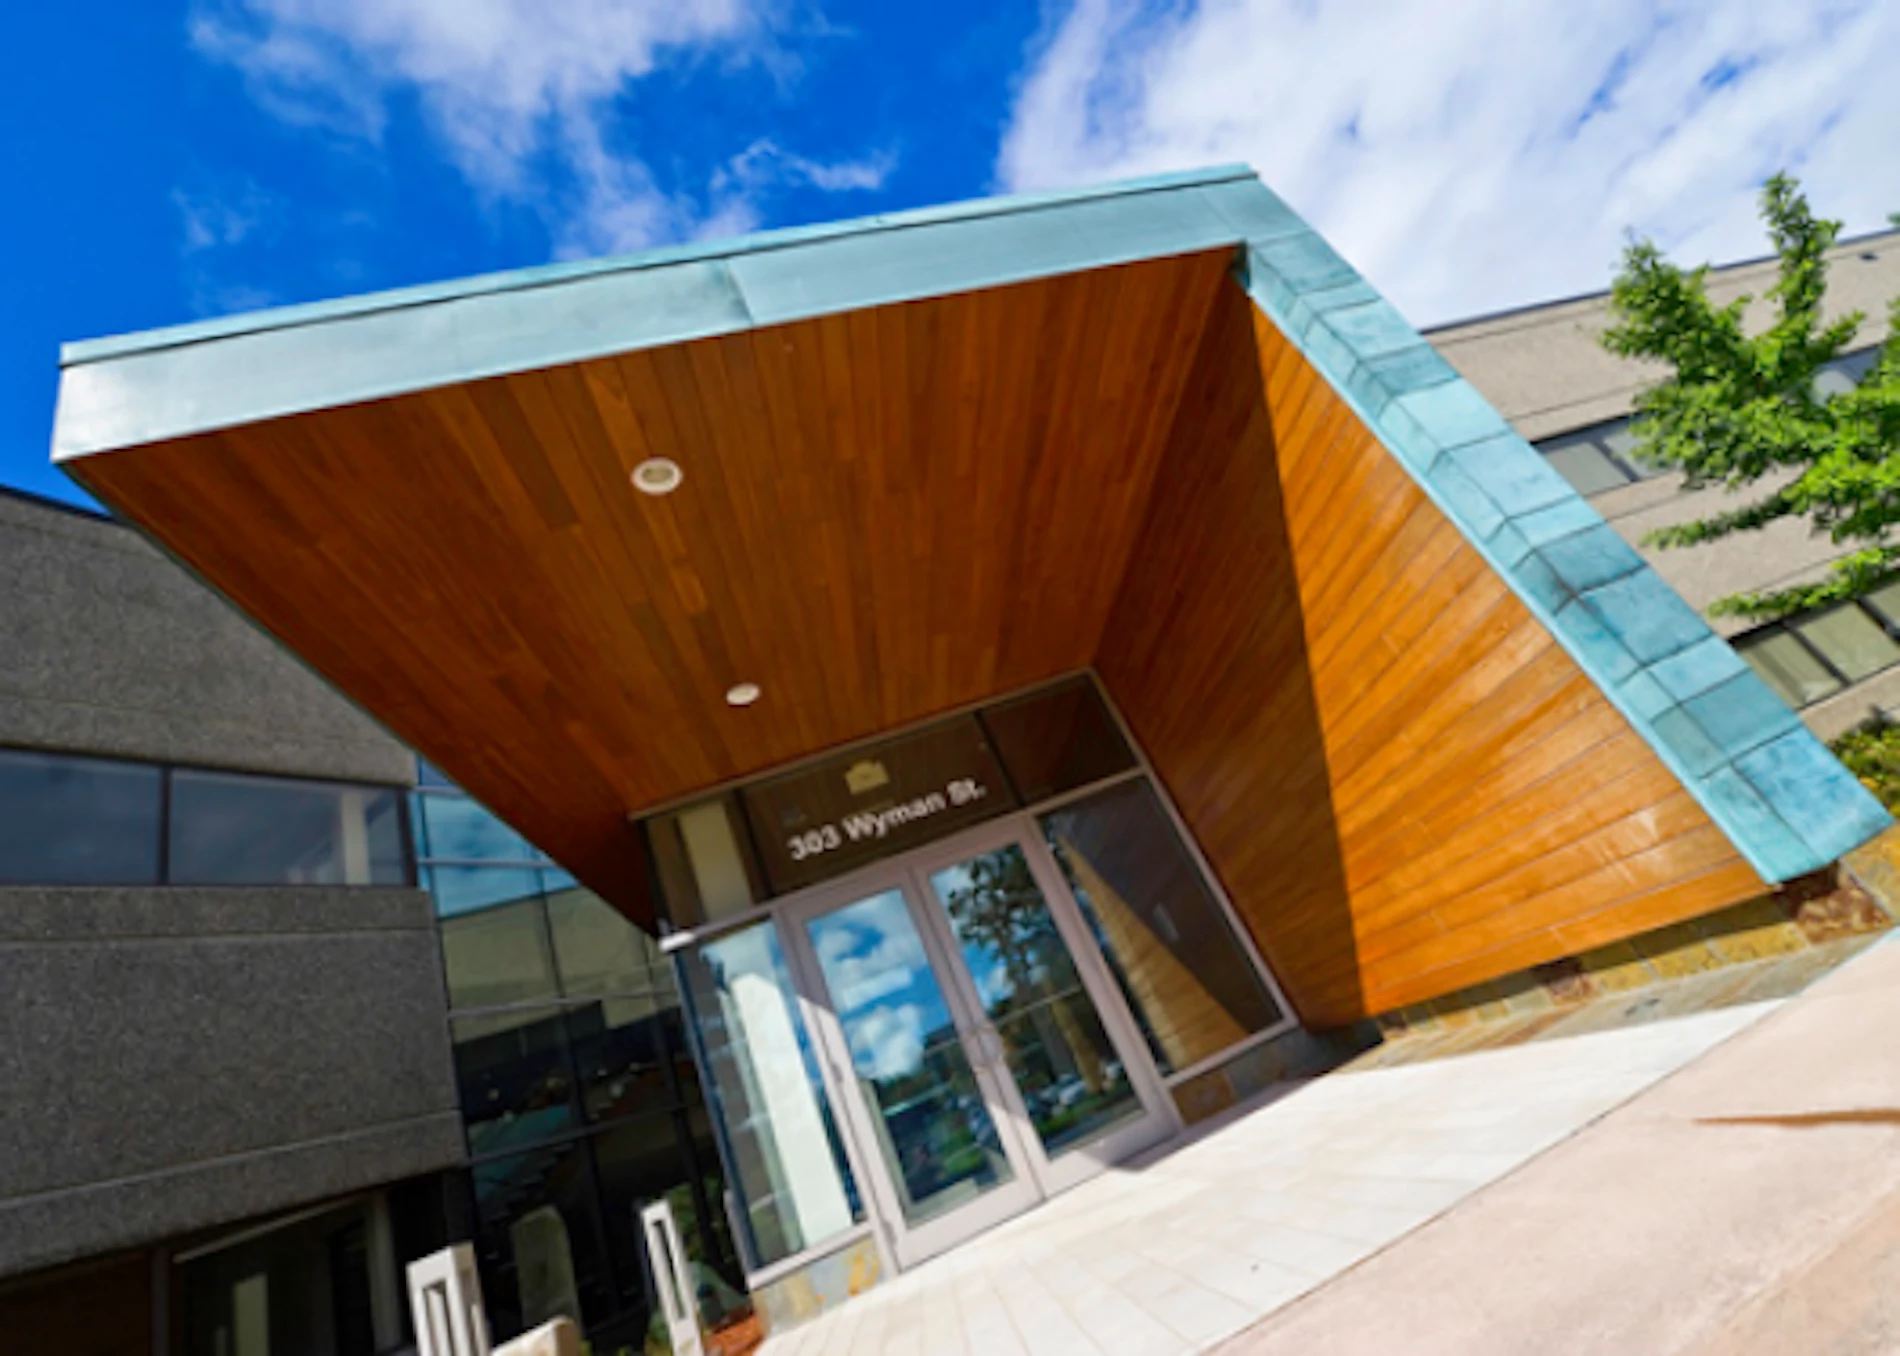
{"points": [[678, 1299], [445, 1298]]}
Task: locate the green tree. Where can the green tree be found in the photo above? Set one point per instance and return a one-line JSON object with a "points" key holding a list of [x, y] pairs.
{"points": [[1742, 411]]}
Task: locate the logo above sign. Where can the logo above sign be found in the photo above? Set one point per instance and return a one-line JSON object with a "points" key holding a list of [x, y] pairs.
{"points": [[866, 776]]}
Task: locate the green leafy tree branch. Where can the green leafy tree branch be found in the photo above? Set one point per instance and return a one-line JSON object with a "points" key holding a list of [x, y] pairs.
{"points": [[1743, 411]]}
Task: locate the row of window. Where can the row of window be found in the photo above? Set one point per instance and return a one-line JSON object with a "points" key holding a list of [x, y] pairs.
{"points": [[69, 820], [1603, 457], [1809, 657]]}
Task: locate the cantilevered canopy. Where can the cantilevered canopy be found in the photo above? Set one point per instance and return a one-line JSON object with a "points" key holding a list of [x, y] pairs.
{"points": [[1431, 719], [916, 452]]}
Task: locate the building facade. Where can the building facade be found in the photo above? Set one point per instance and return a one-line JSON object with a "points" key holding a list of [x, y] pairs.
{"points": [[253, 974], [963, 695], [227, 1075]]}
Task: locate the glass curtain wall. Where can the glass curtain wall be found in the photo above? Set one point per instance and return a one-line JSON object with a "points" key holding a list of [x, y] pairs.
{"points": [[578, 1091]]}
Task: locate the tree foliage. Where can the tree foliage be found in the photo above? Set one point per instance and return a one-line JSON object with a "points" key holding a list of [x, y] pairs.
{"points": [[1741, 410], [1872, 753]]}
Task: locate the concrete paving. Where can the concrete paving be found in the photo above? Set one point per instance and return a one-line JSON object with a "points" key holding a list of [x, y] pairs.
{"points": [[1748, 1205], [1204, 1239]]}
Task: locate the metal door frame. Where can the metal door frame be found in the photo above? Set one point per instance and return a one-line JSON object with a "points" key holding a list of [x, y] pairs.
{"points": [[1037, 1176]]}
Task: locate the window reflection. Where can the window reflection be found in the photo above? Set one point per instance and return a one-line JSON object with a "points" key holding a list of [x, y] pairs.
{"points": [[455, 828], [465, 889], [241, 830], [620, 1056], [77, 821], [512, 1070], [1057, 739], [793, 1186], [933, 1129], [497, 955], [539, 1238], [1167, 940], [599, 950], [1072, 1081]]}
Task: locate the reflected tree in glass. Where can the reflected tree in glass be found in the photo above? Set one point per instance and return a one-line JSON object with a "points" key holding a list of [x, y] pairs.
{"points": [[1072, 1081]]}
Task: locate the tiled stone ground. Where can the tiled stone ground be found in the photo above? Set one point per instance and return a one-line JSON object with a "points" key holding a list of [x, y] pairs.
{"points": [[1210, 1235], [1747, 1206]]}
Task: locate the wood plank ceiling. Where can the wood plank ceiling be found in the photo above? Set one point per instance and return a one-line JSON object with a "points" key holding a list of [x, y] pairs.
{"points": [[885, 514]]}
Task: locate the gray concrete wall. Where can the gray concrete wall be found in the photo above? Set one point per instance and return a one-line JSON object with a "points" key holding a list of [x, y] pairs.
{"points": [[112, 648], [176, 1059]]}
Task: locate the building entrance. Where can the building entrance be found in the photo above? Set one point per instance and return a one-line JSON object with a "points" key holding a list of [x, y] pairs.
{"points": [[972, 1036], [939, 976]]}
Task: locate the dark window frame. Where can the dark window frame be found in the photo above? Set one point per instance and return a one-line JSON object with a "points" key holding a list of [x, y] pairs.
{"points": [[1890, 625], [162, 877]]}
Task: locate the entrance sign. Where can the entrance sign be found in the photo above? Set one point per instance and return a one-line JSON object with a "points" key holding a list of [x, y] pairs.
{"points": [[833, 816]]}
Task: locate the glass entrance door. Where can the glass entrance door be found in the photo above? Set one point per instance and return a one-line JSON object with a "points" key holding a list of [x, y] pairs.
{"points": [[982, 1060]]}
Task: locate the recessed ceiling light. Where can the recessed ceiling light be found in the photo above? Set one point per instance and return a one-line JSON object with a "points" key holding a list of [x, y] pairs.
{"points": [[742, 694], [657, 475]]}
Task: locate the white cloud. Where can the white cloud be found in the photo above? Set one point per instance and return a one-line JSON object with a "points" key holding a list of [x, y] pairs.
{"points": [[888, 1042], [1469, 156], [871, 950], [513, 88]]}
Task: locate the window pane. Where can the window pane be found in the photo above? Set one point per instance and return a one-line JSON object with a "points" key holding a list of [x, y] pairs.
{"points": [[464, 889], [1832, 381], [1785, 665], [1620, 442], [599, 950], [512, 1070], [455, 828], [1057, 740], [1886, 601], [1853, 642], [497, 955], [538, 1238], [620, 1056], [1193, 990], [640, 1163], [782, 1150], [1583, 464], [77, 821], [241, 830]]}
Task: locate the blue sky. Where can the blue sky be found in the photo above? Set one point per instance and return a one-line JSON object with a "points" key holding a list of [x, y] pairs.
{"points": [[171, 161]]}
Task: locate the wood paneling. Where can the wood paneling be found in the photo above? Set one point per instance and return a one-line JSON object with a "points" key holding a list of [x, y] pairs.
{"points": [[1405, 784], [885, 514]]}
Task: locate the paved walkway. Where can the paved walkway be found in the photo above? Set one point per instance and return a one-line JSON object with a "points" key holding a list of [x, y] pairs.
{"points": [[1749, 1206], [1209, 1237]]}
